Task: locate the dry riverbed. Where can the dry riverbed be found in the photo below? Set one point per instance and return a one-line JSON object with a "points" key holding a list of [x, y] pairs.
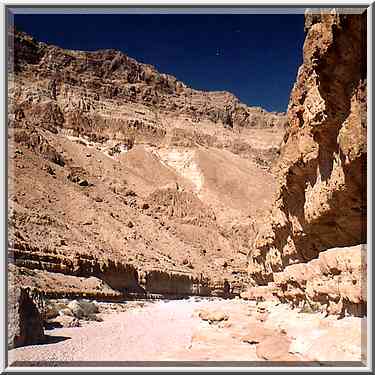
{"points": [[202, 330]]}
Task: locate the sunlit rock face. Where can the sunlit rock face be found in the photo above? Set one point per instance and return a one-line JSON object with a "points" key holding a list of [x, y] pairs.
{"points": [[321, 196], [118, 171]]}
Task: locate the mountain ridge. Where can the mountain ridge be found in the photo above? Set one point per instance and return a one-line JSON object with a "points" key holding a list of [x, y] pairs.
{"points": [[157, 172]]}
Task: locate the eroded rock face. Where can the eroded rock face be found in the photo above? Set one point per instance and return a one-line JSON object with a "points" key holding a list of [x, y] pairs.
{"points": [[80, 90], [334, 283], [321, 199], [124, 180], [85, 276], [25, 325]]}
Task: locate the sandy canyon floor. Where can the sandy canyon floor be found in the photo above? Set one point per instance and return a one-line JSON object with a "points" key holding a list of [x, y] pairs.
{"points": [[244, 334]]}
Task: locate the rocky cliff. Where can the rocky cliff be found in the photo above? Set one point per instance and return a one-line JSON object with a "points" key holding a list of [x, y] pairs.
{"points": [[321, 196], [91, 89], [124, 180]]}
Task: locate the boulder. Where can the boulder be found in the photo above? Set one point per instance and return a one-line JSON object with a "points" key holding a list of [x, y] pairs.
{"points": [[51, 311], [213, 316], [94, 318], [66, 321], [81, 309], [76, 309], [66, 311], [89, 307], [24, 320]]}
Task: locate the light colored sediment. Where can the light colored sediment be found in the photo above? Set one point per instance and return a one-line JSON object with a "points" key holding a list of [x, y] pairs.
{"points": [[143, 185], [173, 331], [183, 162], [334, 283]]}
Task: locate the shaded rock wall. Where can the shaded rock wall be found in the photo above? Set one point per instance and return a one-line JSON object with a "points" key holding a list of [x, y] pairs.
{"points": [[321, 198], [121, 280], [160, 282], [24, 320]]}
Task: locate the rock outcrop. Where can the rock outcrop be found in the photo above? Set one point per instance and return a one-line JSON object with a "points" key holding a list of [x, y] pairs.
{"points": [[101, 279], [108, 95], [25, 325], [123, 180], [321, 198], [334, 283]]}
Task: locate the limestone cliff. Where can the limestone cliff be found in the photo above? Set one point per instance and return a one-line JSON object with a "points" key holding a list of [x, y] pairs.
{"points": [[321, 196], [114, 162]]}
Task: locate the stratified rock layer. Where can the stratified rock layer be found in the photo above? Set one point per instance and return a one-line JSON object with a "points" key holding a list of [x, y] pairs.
{"points": [[108, 95], [321, 197], [123, 180], [335, 283]]}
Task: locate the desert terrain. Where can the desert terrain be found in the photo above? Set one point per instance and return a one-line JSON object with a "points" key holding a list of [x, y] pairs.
{"points": [[172, 224], [198, 332]]}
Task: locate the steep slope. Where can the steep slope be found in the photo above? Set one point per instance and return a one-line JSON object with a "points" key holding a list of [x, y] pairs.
{"points": [[321, 194], [107, 95], [124, 180]]}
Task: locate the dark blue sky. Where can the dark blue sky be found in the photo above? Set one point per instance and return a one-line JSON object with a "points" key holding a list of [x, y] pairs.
{"points": [[254, 56]]}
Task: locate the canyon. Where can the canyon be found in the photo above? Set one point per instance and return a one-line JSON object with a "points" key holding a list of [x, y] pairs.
{"points": [[139, 181], [321, 196], [126, 184]]}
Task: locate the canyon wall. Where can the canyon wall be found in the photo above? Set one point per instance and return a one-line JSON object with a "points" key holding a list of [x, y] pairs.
{"points": [[57, 275], [321, 196], [124, 180]]}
